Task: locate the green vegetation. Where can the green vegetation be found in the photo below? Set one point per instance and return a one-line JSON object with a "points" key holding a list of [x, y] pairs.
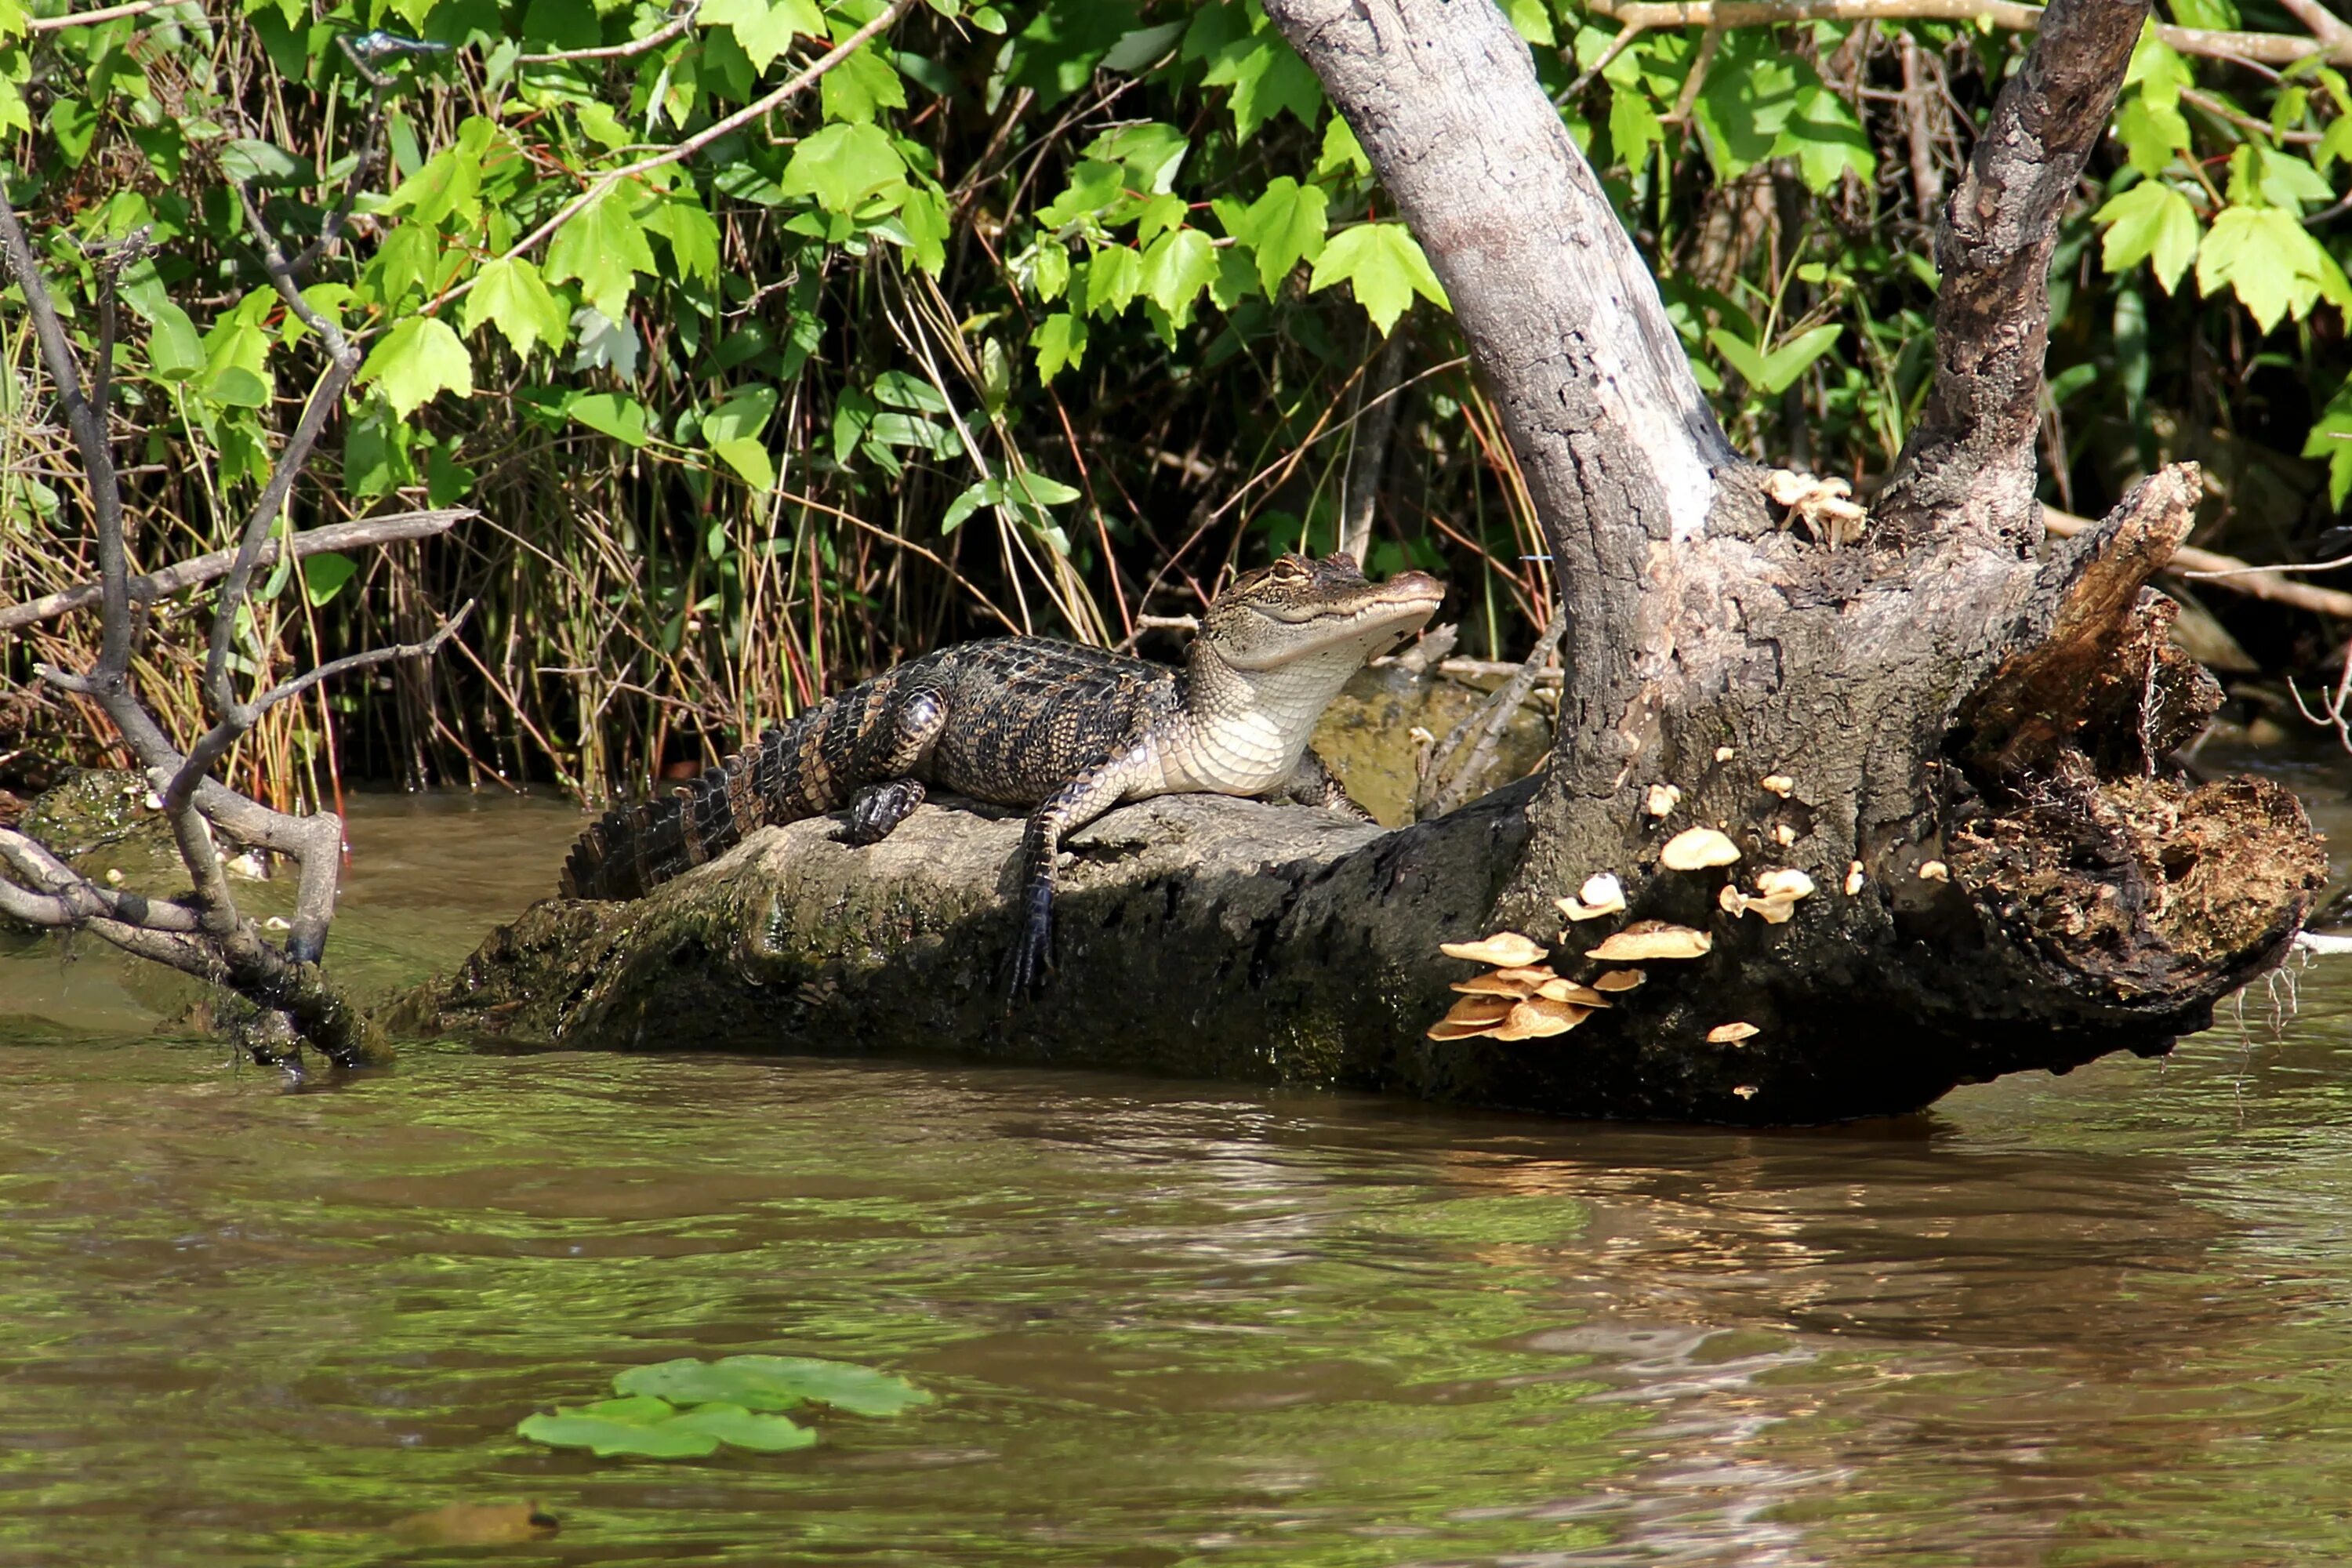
{"points": [[685, 1409], [1031, 317]]}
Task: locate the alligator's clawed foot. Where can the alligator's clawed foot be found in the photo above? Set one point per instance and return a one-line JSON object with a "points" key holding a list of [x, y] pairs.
{"points": [[1033, 951], [879, 809]]}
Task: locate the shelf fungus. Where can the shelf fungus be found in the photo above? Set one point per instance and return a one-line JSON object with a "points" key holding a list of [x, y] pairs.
{"points": [[1934, 871], [1780, 785], [1600, 895], [1532, 1018], [1697, 848], [1505, 948], [1853, 879], [1557, 990], [1662, 800], [1472, 1016], [1724, 754], [1776, 896], [1731, 1033], [1646, 940], [1615, 980]]}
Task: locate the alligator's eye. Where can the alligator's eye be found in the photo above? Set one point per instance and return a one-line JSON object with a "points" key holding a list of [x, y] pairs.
{"points": [[1290, 569]]}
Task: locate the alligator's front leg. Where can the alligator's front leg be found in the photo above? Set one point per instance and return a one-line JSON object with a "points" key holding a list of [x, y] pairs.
{"points": [[1068, 810], [1312, 782]]}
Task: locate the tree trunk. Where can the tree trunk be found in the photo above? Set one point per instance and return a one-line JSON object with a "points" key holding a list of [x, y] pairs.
{"points": [[1964, 745]]}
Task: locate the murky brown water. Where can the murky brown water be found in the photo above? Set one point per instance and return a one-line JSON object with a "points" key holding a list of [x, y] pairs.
{"points": [[2099, 1320]]}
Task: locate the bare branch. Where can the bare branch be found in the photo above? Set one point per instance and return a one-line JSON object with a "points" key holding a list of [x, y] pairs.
{"points": [[90, 436], [2228, 572], [630, 50], [92, 18], [392, 527], [1968, 464], [2267, 49]]}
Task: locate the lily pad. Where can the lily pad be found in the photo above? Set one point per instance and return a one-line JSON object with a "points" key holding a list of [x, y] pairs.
{"points": [[741, 1428], [604, 1433], [773, 1383]]}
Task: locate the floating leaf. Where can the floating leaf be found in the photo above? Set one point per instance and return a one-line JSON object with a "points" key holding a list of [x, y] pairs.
{"points": [[773, 1383]]}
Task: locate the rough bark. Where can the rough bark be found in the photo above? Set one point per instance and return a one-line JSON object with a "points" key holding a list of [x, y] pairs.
{"points": [[1964, 747]]}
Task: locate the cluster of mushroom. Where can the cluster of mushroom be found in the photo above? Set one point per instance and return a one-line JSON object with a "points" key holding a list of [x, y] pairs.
{"points": [[1521, 997]]}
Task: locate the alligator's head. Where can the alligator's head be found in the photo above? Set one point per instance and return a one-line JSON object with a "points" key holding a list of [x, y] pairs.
{"points": [[1323, 614]]}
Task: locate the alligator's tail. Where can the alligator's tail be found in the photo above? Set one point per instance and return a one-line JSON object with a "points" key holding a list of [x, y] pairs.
{"points": [[631, 850]]}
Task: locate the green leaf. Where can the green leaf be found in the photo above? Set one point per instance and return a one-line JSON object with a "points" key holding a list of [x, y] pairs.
{"points": [[1060, 340], [763, 30], [2158, 70], [1531, 19], [861, 87], [450, 184], [1179, 265], [1749, 93], [2336, 142], [606, 1436], [743, 416], [418, 360], [1094, 186], [2270, 260], [602, 249], [2151, 134], [740, 1428], [1284, 227], [1784, 364], [2331, 437], [974, 497], [1151, 154], [407, 259], [1113, 278], [1633, 127], [2150, 221], [235, 386], [750, 459], [772, 1383], [612, 414], [1341, 149], [841, 165], [1049, 272], [1739, 355], [923, 217], [692, 233], [1383, 266], [896, 389], [1267, 77], [510, 295], [1042, 492], [324, 574], [1826, 140], [251, 161]]}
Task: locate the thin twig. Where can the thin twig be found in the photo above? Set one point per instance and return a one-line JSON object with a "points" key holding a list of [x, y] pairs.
{"points": [[630, 50], [92, 18], [2269, 49]]}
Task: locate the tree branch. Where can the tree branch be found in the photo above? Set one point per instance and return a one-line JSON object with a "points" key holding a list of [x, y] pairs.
{"points": [[2267, 49], [1970, 462], [363, 534]]}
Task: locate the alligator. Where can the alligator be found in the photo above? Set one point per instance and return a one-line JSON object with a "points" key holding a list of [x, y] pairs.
{"points": [[1065, 731]]}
